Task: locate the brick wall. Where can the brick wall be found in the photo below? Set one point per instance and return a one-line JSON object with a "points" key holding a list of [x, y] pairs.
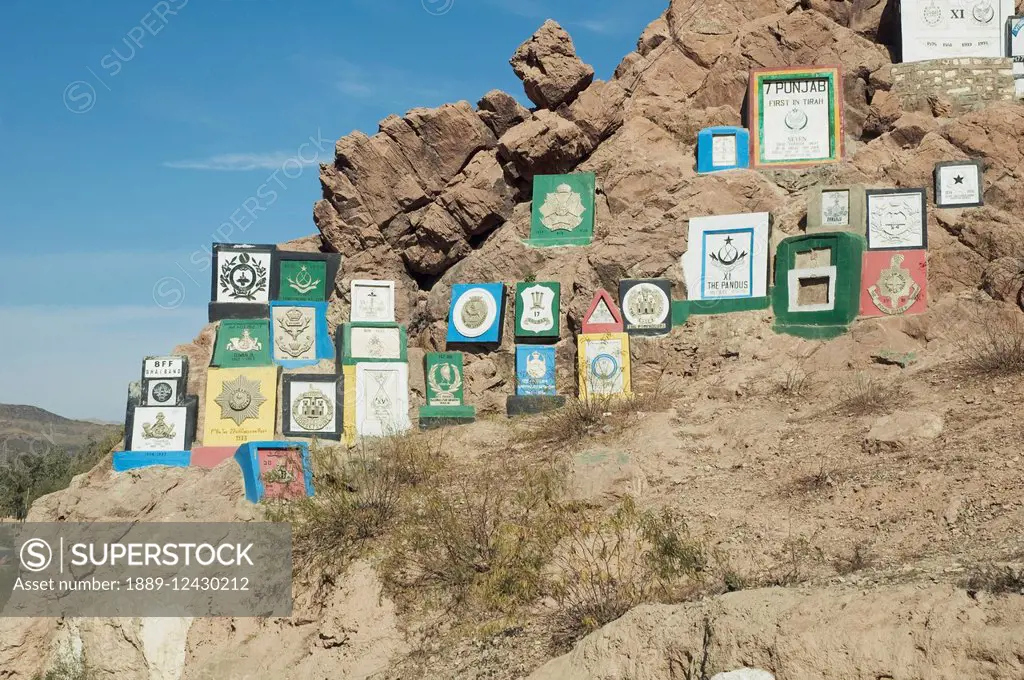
{"points": [[961, 84]]}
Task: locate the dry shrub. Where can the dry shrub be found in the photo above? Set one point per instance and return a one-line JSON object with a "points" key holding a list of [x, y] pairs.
{"points": [[478, 537], [866, 395], [995, 580], [994, 345], [358, 496], [614, 562], [599, 415], [858, 560], [794, 561]]}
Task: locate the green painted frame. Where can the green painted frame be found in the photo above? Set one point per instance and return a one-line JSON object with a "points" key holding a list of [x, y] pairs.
{"points": [[343, 340]]}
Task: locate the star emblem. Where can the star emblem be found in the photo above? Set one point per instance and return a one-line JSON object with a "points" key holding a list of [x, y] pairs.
{"points": [[959, 179]]}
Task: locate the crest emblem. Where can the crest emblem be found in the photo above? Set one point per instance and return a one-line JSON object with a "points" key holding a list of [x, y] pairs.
{"points": [[445, 381], [537, 304], [303, 281], [932, 14], [279, 474], [536, 366], [983, 12], [312, 410], [381, 403], [295, 338], [562, 209], [892, 220], [895, 291], [242, 277], [835, 210], [240, 399], [645, 305], [796, 120], [374, 347], [162, 392], [246, 343], [474, 312], [604, 371], [159, 429], [728, 257]]}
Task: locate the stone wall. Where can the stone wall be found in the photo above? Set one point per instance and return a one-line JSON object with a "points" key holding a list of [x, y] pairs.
{"points": [[953, 85]]}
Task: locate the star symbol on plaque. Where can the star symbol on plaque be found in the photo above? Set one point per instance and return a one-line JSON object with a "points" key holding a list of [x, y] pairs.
{"points": [[959, 179], [240, 399]]}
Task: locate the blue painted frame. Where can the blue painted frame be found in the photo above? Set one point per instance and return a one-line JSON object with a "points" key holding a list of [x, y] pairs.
{"points": [[704, 261], [525, 386], [493, 333], [324, 342], [705, 142], [246, 457]]}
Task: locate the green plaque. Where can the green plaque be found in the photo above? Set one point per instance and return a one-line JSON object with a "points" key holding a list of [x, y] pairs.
{"points": [[444, 378], [303, 280], [537, 309], [563, 210], [242, 343]]}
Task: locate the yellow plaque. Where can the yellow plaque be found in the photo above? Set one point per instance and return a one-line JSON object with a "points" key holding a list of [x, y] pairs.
{"points": [[348, 410], [241, 405], [603, 364]]}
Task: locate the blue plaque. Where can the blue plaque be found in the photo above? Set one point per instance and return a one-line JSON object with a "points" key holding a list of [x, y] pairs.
{"points": [[722, 148], [476, 313], [535, 370]]}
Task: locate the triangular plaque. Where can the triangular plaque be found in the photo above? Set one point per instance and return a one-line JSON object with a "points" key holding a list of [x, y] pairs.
{"points": [[603, 316]]}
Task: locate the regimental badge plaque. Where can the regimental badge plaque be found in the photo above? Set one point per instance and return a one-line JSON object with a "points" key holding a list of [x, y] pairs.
{"points": [[382, 399], [835, 208], [298, 333], [161, 428], [242, 342], [241, 405], [312, 405], [894, 282], [275, 470], [646, 306], [958, 184], [476, 313], [722, 148], [726, 257], [897, 219], [372, 301], [537, 309], [444, 378], [797, 115], [358, 342], [241, 272], [535, 370], [939, 29], [563, 210], [603, 315], [1015, 50], [164, 380], [604, 365], [305, 277]]}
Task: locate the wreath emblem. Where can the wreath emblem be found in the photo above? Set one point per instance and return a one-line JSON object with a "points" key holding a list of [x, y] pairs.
{"points": [[243, 276]]}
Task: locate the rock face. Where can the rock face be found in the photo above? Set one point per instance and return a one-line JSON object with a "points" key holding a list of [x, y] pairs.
{"points": [[549, 68]]}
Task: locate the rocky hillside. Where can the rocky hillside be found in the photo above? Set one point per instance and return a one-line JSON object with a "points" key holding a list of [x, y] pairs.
{"points": [[858, 489], [28, 429]]}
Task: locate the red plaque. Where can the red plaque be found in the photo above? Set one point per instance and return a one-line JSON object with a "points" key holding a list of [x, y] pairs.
{"points": [[281, 473], [894, 282]]}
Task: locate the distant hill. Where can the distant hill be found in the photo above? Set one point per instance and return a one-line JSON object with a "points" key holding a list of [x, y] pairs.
{"points": [[32, 429]]}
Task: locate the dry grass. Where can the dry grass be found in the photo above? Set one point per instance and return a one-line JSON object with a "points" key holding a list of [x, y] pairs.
{"points": [[600, 415], [858, 560], [866, 395], [994, 580], [994, 345], [614, 562]]}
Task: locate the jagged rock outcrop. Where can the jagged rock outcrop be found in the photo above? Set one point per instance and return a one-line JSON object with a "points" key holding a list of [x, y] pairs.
{"points": [[549, 68]]}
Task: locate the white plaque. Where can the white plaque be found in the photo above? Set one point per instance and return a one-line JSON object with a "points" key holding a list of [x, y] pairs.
{"points": [[243, 275], [958, 185], [727, 257], [723, 150], [161, 392], [835, 208], [896, 219], [382, 399], [294, 333], [163, 367], [159, 428], [376, 343], [373, 301], [795, 119], [313, 408], [938, 29]]}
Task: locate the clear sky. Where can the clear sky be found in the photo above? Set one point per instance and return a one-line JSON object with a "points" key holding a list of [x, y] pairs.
{"points": [[131, 132]]}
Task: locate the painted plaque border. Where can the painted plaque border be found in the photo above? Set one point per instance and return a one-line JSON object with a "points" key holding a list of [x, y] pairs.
{"points": [[247, 457], [375, 283], [590, 328], [322, 343], [191, 406], [625, 367], [343, 339], [556, 331], [242, 247], [937, 184], [494, 332], [625, 285], [923, 195], [836, 112], [333, 261]]}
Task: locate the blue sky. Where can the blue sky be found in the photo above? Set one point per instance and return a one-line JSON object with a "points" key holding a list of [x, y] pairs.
{"points": [[133, 131]]}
